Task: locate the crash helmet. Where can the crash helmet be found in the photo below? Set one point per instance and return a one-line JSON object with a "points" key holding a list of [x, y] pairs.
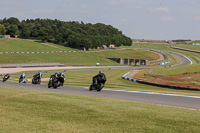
{"points": [[100, 72]]}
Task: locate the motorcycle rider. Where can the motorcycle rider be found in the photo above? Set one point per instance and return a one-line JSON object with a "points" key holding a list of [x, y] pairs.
{"points": [[101, 77], [37, 77], [6, 77], [98, 82], [23, 76], [61, 77], [56, 77]]}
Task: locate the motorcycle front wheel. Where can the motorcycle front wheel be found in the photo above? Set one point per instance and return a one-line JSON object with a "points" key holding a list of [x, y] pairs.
{"points": [[100, 87]]}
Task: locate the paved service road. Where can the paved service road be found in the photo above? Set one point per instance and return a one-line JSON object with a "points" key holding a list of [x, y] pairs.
{"points": [[167, 100]]}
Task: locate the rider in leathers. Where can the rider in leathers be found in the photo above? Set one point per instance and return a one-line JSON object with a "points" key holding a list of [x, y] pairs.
{"points": [[99, 78]]}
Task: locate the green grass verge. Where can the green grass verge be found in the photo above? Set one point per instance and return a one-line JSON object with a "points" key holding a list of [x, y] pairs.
{"points": [[189, 46], [189, 69], [2, 39], [26, 45], [35, 111], [197, 41], [77, 58], [127, 53]]}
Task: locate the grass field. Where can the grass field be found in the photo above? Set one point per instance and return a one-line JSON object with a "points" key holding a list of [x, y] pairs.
{"points": [[26, 45], [2, 39], [75, 58], [36, 111], [127, 53], [189, 46], [71, 58], [178, 70]]}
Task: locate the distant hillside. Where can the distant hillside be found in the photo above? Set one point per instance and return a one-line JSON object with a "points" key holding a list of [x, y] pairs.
{"points": [[73, 34], [33, 51]]}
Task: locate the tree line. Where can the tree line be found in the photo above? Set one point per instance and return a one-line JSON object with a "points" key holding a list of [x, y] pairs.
{"points": [[74, 34]]}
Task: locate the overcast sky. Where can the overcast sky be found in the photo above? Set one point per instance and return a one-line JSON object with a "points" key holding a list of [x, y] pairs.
{"points": [[140, 19]]}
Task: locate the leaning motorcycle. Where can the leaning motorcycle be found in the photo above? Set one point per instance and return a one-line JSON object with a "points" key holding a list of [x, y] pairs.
{"points": [[53, 82], [96, 85], [36, 80], [6, 77]]}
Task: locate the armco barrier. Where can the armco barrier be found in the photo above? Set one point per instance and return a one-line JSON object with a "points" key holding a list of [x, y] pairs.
{"points": [[158, 85]]}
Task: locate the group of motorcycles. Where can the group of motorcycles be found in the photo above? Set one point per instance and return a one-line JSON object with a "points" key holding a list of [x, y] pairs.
{"points": [[57, 80]]}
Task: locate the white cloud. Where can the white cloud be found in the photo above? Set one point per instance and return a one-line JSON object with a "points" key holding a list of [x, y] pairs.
{"points": [[161, 9], [196, 18], [167, 18]]}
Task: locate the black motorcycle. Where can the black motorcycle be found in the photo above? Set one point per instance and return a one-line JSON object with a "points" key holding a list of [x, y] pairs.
{"points": [[54, 82], [6, 77], [97, 84], [36, 79]]}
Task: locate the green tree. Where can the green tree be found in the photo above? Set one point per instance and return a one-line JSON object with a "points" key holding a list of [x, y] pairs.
{"points": [[25, 32], [2, 29], [73, 33], [13, 30]]}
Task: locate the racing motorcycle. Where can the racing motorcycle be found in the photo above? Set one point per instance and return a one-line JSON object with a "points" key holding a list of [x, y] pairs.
{"points": [[6, 77], [97, 84], [36, 79], [54, 82]]}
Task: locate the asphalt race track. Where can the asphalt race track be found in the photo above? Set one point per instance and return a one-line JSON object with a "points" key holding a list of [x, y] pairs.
{"points": [[159, 99], [183, 59]]}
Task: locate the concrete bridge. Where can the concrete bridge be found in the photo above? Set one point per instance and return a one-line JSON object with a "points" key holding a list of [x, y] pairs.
{"points": [[130, 62]]}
